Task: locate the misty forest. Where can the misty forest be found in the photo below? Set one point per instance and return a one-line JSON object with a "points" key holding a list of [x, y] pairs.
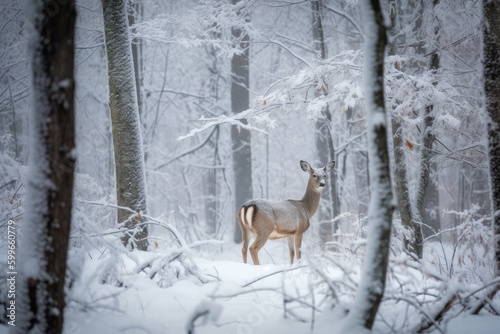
{"points": [[249, 166]]}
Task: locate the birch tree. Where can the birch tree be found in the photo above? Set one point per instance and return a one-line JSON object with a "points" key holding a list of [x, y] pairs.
{"points": [[241, 140], [47, 222], [372, 285], [127, 138]]}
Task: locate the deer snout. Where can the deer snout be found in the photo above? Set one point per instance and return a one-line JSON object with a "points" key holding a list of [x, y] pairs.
{"points": [[322, 184]]}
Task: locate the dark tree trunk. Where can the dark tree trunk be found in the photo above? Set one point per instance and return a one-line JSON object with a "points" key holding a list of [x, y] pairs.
{"points": [[491, 45], [491, 72], [241, 140], [41, 297]]}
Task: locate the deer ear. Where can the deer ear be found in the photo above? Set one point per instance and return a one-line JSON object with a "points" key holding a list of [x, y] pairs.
{"points": [[329, 166], [305, 166]]}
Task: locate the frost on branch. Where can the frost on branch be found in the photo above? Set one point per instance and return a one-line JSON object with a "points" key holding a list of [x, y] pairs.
{"points": [[198, 26], [341, 78]]}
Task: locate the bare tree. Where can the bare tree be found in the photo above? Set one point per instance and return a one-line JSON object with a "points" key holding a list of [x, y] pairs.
{"points": [[405, 209], [372, 285], [491, 55], [127, 138], [324, 141], [241, 139], [211, 176], [47, 222], [428, 138]]}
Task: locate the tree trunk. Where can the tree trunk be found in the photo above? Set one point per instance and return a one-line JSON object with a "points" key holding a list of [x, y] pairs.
{"points": [[324, 141], [127, 141], [40, 297], [428, 138], [413, 243], [491, 45], [134, 16], [402, 191], [211, 176], [372, 285], [241, 140], [359, 158], [431, 204], [491, 72]]}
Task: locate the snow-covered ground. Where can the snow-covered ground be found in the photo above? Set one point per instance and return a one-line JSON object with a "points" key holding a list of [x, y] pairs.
{"points": [[241, 298], [144, 307]]}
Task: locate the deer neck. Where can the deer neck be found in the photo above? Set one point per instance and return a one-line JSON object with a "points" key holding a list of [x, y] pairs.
{"points": [[310, 201]]}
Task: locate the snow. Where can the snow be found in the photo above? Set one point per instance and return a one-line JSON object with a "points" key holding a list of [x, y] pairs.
{"points": [[111, 294], [233, 309], [143, 307]]}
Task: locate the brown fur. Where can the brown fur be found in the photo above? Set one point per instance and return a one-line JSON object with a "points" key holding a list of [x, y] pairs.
{"points": [[284, 219]]}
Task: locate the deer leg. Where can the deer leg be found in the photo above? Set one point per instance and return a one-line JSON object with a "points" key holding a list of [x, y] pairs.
{"points": [[259, 242], [246, 238], [245, 235], [298, 244], [290, 248]]}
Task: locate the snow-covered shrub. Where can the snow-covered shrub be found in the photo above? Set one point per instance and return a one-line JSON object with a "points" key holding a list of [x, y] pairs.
{"points": [[466, 250]]}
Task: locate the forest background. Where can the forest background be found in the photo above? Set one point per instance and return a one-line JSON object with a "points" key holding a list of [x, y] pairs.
{"points": [[231, 96]]}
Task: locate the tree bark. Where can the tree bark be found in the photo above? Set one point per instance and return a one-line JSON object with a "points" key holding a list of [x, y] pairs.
{"points": [[211, 176], [491, 73], [410, 224], [41, 294], [428, 138], [136, 15], [372, 284], [325, 149], [402, 191], [241, 139], [491, 60], [408, 218], [127, 139]]}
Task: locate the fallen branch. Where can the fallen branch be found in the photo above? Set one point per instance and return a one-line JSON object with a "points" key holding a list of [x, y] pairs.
{"points": [[180, 254], [491, 290], [446, 304]]}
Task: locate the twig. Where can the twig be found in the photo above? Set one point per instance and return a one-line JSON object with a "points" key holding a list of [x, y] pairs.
{"points": [[189, 151], [272, 274], [273, 289]]}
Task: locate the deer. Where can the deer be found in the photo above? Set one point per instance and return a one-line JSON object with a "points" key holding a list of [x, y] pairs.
{"points": [[289, 219]]}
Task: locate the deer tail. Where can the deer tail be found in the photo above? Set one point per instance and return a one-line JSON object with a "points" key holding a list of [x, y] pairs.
{"points": [[247, 214]]}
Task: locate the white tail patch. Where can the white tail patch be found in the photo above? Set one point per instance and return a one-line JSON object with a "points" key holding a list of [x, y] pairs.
{"points": [[249, 215]]}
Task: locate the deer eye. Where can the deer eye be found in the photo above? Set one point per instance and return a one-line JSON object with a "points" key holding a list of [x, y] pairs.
{"points": [[315, 176]]}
